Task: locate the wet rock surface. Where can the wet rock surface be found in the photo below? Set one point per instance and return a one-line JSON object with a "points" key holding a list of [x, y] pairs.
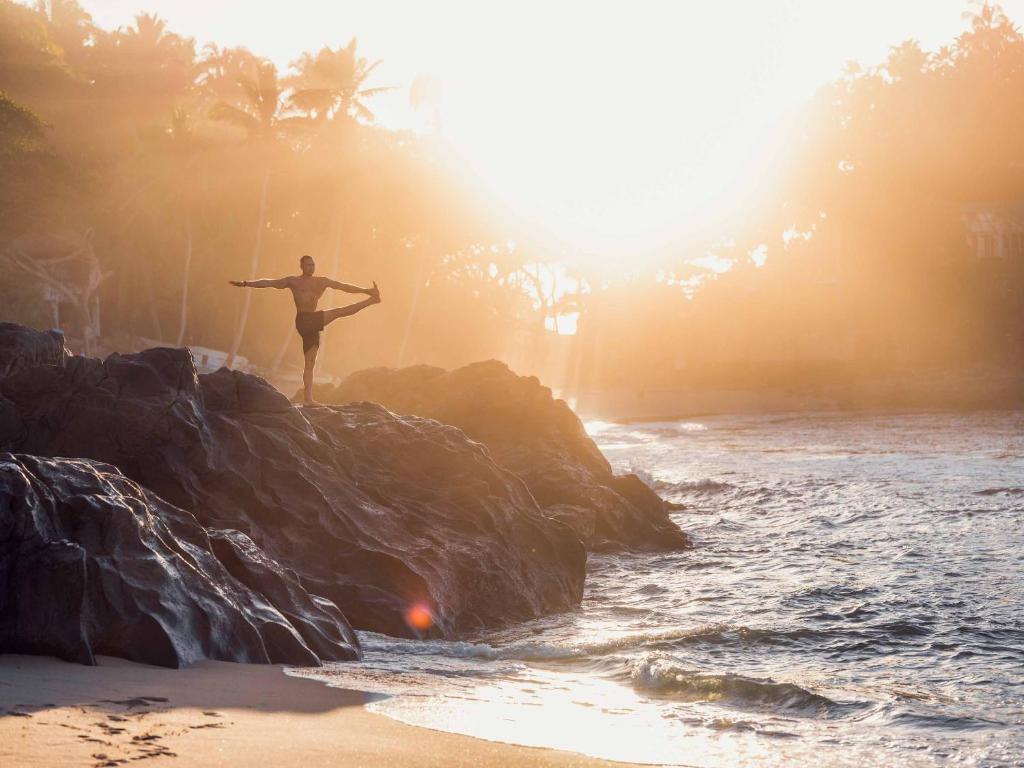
{"points": [[537, 437], [91, 563], [374, 512]]}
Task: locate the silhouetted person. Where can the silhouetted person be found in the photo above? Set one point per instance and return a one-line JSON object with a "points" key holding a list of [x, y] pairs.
{"points": [[307, 290]]}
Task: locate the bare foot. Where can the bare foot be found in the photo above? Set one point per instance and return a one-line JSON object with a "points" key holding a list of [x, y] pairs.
{"points": [[375, 293], [311, 404]]}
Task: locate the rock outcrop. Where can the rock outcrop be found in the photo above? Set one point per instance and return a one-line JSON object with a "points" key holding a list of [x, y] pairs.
{"points": [[374, 512], [22, 347], [534, 435], [91, 563]]}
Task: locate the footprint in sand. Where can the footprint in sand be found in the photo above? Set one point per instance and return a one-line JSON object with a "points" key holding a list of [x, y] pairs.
{"points": [[138, 701], [86, 737]]}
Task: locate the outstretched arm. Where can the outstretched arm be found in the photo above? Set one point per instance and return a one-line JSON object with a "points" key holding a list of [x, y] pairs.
{"points": [[281, 282], [349, 288]]}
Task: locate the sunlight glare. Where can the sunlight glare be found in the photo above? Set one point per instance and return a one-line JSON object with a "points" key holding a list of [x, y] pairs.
{"points": [[612, 128]]}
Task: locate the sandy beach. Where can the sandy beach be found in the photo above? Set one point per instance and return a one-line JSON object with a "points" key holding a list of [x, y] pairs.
{"points": [[216, 714]]}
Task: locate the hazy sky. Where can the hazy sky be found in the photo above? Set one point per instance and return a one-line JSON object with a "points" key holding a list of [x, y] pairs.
{"points": [[609, 123]]}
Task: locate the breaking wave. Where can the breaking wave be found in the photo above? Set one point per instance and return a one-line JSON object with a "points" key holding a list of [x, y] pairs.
{"points": [[1001, 492], [539, 651], [705, 485], [663, 639], [665, 676]]}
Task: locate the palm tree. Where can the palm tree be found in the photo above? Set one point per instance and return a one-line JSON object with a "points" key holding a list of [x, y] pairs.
{"points": [[144, 68], [154, 45], [263, 114], [70, 24], [331, 84], [988, 15], [330, 88], [991, 30], [182, 140], [218, 71], [944, 59], [150, 31]]}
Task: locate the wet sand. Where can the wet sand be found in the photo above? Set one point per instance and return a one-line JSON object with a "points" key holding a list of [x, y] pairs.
{"points": [[217, 714]]}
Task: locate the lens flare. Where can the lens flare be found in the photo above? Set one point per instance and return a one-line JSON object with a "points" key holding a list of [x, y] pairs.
{"points": [[419, 616]]}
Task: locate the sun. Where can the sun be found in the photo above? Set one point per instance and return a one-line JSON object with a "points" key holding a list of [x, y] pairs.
{"points": [[610, 129]]}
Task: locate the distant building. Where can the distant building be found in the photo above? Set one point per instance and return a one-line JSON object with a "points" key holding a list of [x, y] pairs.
{"points": [[209, 360], [995, 230]]}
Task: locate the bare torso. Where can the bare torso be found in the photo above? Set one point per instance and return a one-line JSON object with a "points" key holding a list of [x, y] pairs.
{"points": [[307, 291]]}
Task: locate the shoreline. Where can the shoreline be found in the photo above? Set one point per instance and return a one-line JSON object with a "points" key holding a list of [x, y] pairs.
{"points": [[220, 714], [836, 413], [753, 407]]}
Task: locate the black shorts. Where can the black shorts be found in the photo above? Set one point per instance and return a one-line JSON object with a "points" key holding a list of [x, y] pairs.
{"points": [[309, 325]]}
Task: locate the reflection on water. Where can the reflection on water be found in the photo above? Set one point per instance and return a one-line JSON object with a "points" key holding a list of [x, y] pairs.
{"points": [[853, 599]]}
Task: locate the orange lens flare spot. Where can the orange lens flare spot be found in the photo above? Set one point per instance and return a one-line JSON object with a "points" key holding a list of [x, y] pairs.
{"points": [[419, 616]]}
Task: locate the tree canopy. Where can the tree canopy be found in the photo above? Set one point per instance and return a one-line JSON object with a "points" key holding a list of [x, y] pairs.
{"points": [[187, 164]]}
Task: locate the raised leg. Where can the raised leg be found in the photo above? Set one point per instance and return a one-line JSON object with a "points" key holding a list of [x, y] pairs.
{"points": [[307, 376], [330, 315]]}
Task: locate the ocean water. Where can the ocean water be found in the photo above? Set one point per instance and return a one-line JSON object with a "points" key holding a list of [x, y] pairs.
{"points": [[855, 597]]}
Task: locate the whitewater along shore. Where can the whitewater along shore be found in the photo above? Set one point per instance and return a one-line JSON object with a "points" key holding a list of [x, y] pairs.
{"points": [[218, 714]]}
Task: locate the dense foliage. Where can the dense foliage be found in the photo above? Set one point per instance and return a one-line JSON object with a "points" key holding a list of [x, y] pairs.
{"points": [[184, 168], [176, 167]]}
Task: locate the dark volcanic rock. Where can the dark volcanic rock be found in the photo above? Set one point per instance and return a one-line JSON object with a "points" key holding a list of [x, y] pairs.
{"points": [[22, 347], [317, 620], [534, 435], [91, 563], [373, 511]]}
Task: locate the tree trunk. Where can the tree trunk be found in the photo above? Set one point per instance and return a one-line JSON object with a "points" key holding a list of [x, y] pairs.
{"points": [[184, 283], [240, 331], [412, 311], [88, 326], [281, 352], [154, 315]]}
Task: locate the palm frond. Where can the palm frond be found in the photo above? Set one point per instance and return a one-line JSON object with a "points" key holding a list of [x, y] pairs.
{"points": [[313, 99], [363, 111], [294, 124], [370, 92], [229, 113], [366, 70]]}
